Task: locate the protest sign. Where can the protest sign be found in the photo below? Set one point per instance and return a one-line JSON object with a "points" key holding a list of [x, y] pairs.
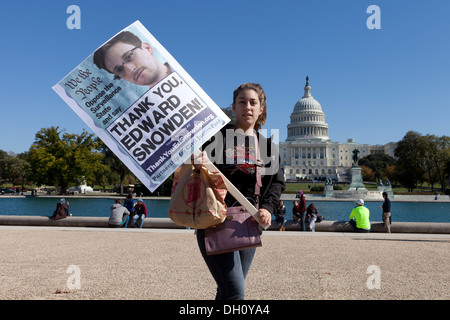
{"points": [[142, 104]]}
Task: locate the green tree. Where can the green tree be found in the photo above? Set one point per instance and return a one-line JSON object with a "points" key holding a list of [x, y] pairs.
{"points": [[423, 158], [437, 154], [63, 159], [18, 169], [447, 170], [431, 174], [4, 163], [105, 177], [367, 173], [115, 165], [410, 152], [230, 113], [391, 173], [13, 167], [378, 162]]}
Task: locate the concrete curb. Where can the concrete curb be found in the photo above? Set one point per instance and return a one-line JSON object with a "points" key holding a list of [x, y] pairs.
{"points": [[396, 227], [166, 223], [96, 222]]}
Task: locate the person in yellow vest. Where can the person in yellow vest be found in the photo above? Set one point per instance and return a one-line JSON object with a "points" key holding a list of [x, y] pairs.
{"points": [[359, 218]]}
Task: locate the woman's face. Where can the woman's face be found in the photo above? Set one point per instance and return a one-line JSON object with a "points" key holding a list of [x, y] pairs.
{"points": [[247, 109]]}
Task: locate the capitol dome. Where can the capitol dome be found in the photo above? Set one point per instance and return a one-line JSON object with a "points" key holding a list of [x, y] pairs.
{"points": [[307, 119]]}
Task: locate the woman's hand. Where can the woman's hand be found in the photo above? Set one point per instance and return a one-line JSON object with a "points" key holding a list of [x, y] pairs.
{"points": [[265, 217], [199, 159]]}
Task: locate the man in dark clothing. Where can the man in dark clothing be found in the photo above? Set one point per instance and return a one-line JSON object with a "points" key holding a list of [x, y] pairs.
{"points": [[386, 212], [302, 203]]}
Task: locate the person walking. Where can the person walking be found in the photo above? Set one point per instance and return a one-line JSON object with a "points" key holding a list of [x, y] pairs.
{"points": [[386, 206], [302, 204], [230, 269]]}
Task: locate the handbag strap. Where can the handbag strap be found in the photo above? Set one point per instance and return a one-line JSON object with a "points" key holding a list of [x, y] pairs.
{"points": [[258, 166]]}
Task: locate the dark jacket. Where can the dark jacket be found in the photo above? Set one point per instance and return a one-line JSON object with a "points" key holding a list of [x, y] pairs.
{"points": [[296, 213], [302, 203], [387, 205], [141, 209], [312, 212], [281, 211], [227, 151], [61, 211]]}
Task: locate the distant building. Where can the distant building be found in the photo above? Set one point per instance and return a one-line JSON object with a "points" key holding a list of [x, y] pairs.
{"points": [[308, 152], [82, 188]]}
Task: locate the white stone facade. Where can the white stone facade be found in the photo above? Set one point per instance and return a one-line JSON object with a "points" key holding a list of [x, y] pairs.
{"points": [[308, 152]]}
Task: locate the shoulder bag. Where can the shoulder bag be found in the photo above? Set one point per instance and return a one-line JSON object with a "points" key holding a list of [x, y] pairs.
{"points": [[239, 230]]}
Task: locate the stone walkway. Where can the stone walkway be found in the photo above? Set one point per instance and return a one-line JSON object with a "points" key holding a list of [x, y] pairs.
{"points": [[129, 264]]}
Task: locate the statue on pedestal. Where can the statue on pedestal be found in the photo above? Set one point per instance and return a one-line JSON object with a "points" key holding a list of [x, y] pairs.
{"points": [[355, 157]]}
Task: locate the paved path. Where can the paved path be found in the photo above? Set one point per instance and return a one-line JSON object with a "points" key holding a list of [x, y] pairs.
{"points": [[166, 264]]}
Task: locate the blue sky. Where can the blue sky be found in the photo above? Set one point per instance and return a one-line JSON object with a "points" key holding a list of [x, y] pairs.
{"points": [[373, 85]]}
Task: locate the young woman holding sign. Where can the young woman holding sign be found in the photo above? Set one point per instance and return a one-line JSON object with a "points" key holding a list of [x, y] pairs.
{"points": [[229, 270]]}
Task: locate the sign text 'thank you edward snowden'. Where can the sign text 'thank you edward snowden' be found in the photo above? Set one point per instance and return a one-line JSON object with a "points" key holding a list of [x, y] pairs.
{"points": [[163, 125], [151, 127]]}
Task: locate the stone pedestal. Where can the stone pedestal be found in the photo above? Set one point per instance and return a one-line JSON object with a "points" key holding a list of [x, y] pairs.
{"points": [[356, 184], [329, 191], [387, 189], [356, 189]]}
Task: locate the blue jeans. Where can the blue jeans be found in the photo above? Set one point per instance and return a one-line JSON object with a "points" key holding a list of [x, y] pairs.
{"points": [[281, 221], [141, 222], [123, 224], [229, 270], [302, 221]]}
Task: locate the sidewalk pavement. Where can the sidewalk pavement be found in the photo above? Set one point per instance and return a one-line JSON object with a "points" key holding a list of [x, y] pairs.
{"points": [[134, 264]]}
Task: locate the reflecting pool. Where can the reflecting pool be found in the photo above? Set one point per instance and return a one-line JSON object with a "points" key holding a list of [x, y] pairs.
{"points": [[158, 207]]}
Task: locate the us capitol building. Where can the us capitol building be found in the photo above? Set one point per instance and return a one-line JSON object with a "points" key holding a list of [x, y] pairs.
{"points": [[308, 152]]}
